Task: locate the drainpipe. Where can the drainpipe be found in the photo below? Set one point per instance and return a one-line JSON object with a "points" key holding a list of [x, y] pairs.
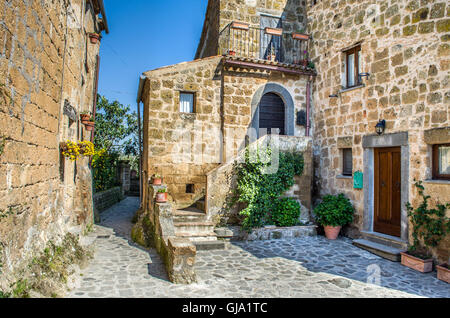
{"points": [[308, 105], [138, 100]]}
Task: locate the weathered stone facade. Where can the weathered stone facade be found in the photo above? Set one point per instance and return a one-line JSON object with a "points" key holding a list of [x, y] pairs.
{"points": [[48, 76], [404, 47]]}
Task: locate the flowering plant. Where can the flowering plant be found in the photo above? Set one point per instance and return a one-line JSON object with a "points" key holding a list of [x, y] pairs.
{"points": [[73, 150]]}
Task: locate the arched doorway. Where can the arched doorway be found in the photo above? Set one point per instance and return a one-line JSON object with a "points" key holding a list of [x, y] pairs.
{"points": [[272, 114]]}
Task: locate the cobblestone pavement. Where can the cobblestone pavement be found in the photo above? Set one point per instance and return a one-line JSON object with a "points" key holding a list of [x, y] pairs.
{"points": [[303, 267]]}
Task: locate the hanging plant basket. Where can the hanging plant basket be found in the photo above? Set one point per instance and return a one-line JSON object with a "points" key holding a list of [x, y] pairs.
{"points": [[94, 37], [73, 150], [85, 117]]}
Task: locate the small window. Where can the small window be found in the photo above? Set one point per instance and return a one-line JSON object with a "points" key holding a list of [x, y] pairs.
{"points": [[353, 66], [347, 162], [189, 188], [187, 102], [441, 161]]}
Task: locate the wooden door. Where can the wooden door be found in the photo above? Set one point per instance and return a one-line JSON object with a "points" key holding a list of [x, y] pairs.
{"points": [[387, 216], [271, 113]]}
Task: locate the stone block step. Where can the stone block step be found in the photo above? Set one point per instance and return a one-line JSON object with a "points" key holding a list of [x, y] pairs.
{"points": [[384, 239], [189, 215], [194, 227], [388, 252], [197, 237], [209, 245]]}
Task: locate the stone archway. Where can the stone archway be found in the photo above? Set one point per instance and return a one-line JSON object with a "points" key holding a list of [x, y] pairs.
{"points": [[289, 112]]}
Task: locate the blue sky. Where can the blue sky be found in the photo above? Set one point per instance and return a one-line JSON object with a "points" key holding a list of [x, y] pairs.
{"points": [[144, 35]]}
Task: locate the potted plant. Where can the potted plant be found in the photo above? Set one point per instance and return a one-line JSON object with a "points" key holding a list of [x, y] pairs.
{"points": [[272, 56], [232, 52], [161, 195], [90, 124], [86, 148], [443, 271], [311, 65], [333, 213], [94, 37], [84, 116], [70, 149], [429, 227], [156, 179]]}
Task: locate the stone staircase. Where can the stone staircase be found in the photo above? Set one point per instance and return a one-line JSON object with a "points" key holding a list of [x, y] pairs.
{"points": [[191, 223], [383, 245]]}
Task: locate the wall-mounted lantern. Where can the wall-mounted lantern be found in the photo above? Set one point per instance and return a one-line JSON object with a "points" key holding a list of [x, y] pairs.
{"points": [[380, 127], [361, 75]]}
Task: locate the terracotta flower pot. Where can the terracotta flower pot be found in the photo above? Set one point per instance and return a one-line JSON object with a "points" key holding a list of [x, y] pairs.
{"points": [[156, 181], [94, 37], [232, 53], [89, 125], [421, 265], [161, 197], [84, 117], [443, 273], [300, 36], [332, 232]]}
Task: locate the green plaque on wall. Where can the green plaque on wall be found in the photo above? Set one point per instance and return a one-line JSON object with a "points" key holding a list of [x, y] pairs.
{"points": [[358, 180]]}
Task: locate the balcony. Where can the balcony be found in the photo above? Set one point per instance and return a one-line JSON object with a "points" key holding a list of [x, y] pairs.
{"points": [[268, 48]]}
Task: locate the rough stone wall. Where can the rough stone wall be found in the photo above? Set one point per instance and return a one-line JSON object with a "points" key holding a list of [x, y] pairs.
{"points": [[182, 147], [220, 13], [106, 199], [404, 46], [43, 56]]}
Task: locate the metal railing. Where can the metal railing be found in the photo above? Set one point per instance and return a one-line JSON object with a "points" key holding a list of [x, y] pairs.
{"points": [[242, 40]]}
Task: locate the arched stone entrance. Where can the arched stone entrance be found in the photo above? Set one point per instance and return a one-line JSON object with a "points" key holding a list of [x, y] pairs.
{"points": [[268, 94], [272, 114]]}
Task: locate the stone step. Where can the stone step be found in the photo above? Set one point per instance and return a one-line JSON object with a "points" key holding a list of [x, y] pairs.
{"points": [[209, 245], [203, 228], [200, 204], [197, 237], [388, 252], [189, 215], [385, 239]]}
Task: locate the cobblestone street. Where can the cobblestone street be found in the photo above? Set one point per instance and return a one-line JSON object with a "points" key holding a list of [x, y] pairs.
{"points": [[304, 267]]}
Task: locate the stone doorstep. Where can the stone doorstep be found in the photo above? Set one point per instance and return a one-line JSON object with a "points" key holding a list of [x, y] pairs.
{"points": [[194, 227], [385, 239], [196, 237], [188, 216], [209, 245], [387, 252]]}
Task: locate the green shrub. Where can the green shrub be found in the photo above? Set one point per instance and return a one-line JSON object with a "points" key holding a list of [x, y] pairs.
{"points": [[429, 225], [286, 212], [260, 192], [334, 211]]}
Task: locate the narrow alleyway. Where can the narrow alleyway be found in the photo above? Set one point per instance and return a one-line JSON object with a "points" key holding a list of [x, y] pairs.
{"points": [[305, 267]]}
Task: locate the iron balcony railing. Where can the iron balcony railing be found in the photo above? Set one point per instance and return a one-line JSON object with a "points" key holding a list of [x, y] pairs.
{"points": [[272, 44]]}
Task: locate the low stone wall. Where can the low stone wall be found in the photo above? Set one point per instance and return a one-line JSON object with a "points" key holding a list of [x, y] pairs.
{"points": [[154, 227], [273, 233], [106, 199]]}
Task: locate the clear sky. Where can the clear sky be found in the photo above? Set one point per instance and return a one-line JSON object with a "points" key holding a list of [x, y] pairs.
{"points": [[144, 35]]}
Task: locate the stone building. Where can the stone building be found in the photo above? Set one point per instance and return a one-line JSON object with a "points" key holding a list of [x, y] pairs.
{"points": [[375, 62], [49, 73]]}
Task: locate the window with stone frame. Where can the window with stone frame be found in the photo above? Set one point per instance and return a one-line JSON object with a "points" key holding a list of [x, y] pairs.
{"points": [[347, 162], [352, 66], [441, 162], [187, 102]]}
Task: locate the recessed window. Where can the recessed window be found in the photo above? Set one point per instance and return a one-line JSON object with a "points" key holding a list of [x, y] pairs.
{"points": [[441, 161], [347, 162], [187, 102], [189, 188], [352, 66]]}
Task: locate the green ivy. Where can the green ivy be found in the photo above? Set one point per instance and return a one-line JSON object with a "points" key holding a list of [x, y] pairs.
{"points": [[334, 211], [429, 225], [260, 192]]}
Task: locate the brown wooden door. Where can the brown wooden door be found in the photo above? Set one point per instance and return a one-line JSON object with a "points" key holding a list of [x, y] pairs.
{"points": [[271, 113], [387, 191]]}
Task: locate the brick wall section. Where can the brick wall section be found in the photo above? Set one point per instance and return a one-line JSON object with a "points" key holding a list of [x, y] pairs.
{"points": [[405, 49], [43, 53]]}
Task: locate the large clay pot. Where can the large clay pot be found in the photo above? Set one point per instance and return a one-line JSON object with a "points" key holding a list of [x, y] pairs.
{"points": [[421, 265], [443, 273], [156, 181], [332, 232], [89, 126]]}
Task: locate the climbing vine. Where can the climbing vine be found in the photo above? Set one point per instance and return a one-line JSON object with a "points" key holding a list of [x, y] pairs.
{"points": [[261, 191], [429, 225]]}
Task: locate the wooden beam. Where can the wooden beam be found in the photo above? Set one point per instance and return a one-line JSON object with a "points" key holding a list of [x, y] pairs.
{"points": [[268, 67]]}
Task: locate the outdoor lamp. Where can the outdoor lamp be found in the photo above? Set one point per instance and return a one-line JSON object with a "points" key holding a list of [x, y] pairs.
{"points": [[380, 127], [360, 75]]}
